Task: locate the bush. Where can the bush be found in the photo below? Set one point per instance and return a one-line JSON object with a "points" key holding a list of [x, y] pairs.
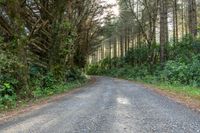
{"points": [[142, 55], [194, 71], [118, 62], [174, 72], [57, 88], [178, 71], [9, 64], [92, 69], [99, 68], [182, 66], [45, 85], [7, 96], [139, 55], [73, 74], [185, 49]]}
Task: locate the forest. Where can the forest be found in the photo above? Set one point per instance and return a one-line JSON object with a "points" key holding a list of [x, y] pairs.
{"points": [[155, 42], [48, 46]]}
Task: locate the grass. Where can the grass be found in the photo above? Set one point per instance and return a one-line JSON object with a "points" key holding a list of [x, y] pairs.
{"points": [[44, 94], [57, 89], [189, 91], [179, 89], [186, 90], [187, 95]]}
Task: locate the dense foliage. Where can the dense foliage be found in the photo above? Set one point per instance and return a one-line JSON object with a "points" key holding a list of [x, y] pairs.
{"points": [[44, 44], [182, 66]]}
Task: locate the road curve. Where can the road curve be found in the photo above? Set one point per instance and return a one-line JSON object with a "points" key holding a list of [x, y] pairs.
{"points": [[108, 106]]}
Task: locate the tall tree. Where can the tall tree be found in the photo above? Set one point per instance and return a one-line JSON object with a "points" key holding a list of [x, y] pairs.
{"points": [[175, 21], [192, 17], [163, 29]]}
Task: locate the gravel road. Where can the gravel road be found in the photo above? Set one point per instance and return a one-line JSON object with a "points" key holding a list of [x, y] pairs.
{"points": [[108, 106]]}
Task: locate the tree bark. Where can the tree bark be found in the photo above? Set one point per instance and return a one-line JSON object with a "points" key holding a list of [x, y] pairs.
{"points": [[192, 17], [163, 30]]}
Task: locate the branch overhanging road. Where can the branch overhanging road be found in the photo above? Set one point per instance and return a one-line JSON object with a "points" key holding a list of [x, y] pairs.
{"points": [[108, 106]]}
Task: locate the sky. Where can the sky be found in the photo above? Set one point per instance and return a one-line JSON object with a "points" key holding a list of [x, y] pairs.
{"points": [[115, 9]]}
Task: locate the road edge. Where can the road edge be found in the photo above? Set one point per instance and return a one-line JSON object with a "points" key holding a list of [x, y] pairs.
{"points": [[189, 102], [38, 104]]}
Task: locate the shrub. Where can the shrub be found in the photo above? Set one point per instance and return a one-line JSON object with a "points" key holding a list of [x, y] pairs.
{"points": [[118, 62], [185, 49], [139, 55], [9, 83], [178, 71], [7, 96], [174, 72], [9, 64], [182, 65], [73, 74]]}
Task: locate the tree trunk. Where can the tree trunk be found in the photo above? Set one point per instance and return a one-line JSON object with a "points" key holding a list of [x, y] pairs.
{"points": [[121, 46], [175, 22], [163, 30], [192, 17], [115, 47]]}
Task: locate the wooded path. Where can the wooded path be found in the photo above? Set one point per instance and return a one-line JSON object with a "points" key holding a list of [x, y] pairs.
{"points": [[108, 106]]}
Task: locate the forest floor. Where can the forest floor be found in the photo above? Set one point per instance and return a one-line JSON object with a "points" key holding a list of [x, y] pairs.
{"points": [[108, 106]]}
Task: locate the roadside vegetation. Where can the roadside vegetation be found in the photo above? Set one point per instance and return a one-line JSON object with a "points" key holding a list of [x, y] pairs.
{"points": [[179, 74], [42, 87], [155, 42], [44, 45]]}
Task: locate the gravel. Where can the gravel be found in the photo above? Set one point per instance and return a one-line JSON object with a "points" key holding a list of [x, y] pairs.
{"points": [[108, 106]]}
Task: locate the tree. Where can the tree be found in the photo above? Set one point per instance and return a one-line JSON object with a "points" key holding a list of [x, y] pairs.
{"points": [[192, 17], [175, 21], [50, 36], [163, 29]]}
